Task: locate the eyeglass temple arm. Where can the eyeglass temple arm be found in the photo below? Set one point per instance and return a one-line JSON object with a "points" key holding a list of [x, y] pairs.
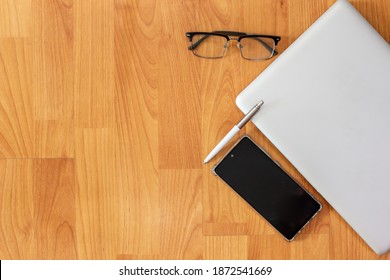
{"points": [[270, 49], [234, 33], [197, 43]]}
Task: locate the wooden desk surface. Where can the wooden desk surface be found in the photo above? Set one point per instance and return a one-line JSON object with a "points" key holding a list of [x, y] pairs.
{"points": [[105, 118]]}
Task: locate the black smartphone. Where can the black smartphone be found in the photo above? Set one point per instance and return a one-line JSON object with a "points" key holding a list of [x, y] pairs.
{"points": [[267, 188]]}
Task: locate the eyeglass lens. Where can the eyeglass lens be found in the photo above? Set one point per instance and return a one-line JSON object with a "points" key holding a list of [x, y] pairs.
{"points": [[209, 46], [257, 47]]}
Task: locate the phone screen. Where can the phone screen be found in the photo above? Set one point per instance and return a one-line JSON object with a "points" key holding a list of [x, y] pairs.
{"points": [[267, 188]]}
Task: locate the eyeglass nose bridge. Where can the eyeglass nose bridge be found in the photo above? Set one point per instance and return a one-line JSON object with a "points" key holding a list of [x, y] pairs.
{"points": [[232, 39], [226, 45]]}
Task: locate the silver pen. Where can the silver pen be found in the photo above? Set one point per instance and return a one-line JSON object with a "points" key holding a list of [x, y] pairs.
{"points": [[233, 131]]}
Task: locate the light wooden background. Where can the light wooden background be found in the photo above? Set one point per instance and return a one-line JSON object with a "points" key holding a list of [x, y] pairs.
{"points": [[105, 118]]}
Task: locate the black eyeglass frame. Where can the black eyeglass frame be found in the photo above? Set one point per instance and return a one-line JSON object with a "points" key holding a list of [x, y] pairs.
{"points": [[238, 37]]}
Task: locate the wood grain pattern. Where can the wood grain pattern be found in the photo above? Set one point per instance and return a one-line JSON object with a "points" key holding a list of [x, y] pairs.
{"points": [[225, 247], [181, 214], [136, 111], [94, 63], [15, 18], [54, 208], [53, 139], [96, 194], [16, 125], [37, 209], [305, 246], [52, 42], [17, 237], [105, 117], [177, 81]]}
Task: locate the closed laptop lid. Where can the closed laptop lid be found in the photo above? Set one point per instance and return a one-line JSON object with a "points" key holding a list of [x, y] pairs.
{"points": [[327, 109]]}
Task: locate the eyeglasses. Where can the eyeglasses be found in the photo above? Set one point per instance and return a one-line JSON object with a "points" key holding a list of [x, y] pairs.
{"points": [[214, 44]]}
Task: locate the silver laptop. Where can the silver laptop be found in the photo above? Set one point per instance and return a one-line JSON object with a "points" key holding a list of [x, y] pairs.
{"points": [[327, 109]]}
